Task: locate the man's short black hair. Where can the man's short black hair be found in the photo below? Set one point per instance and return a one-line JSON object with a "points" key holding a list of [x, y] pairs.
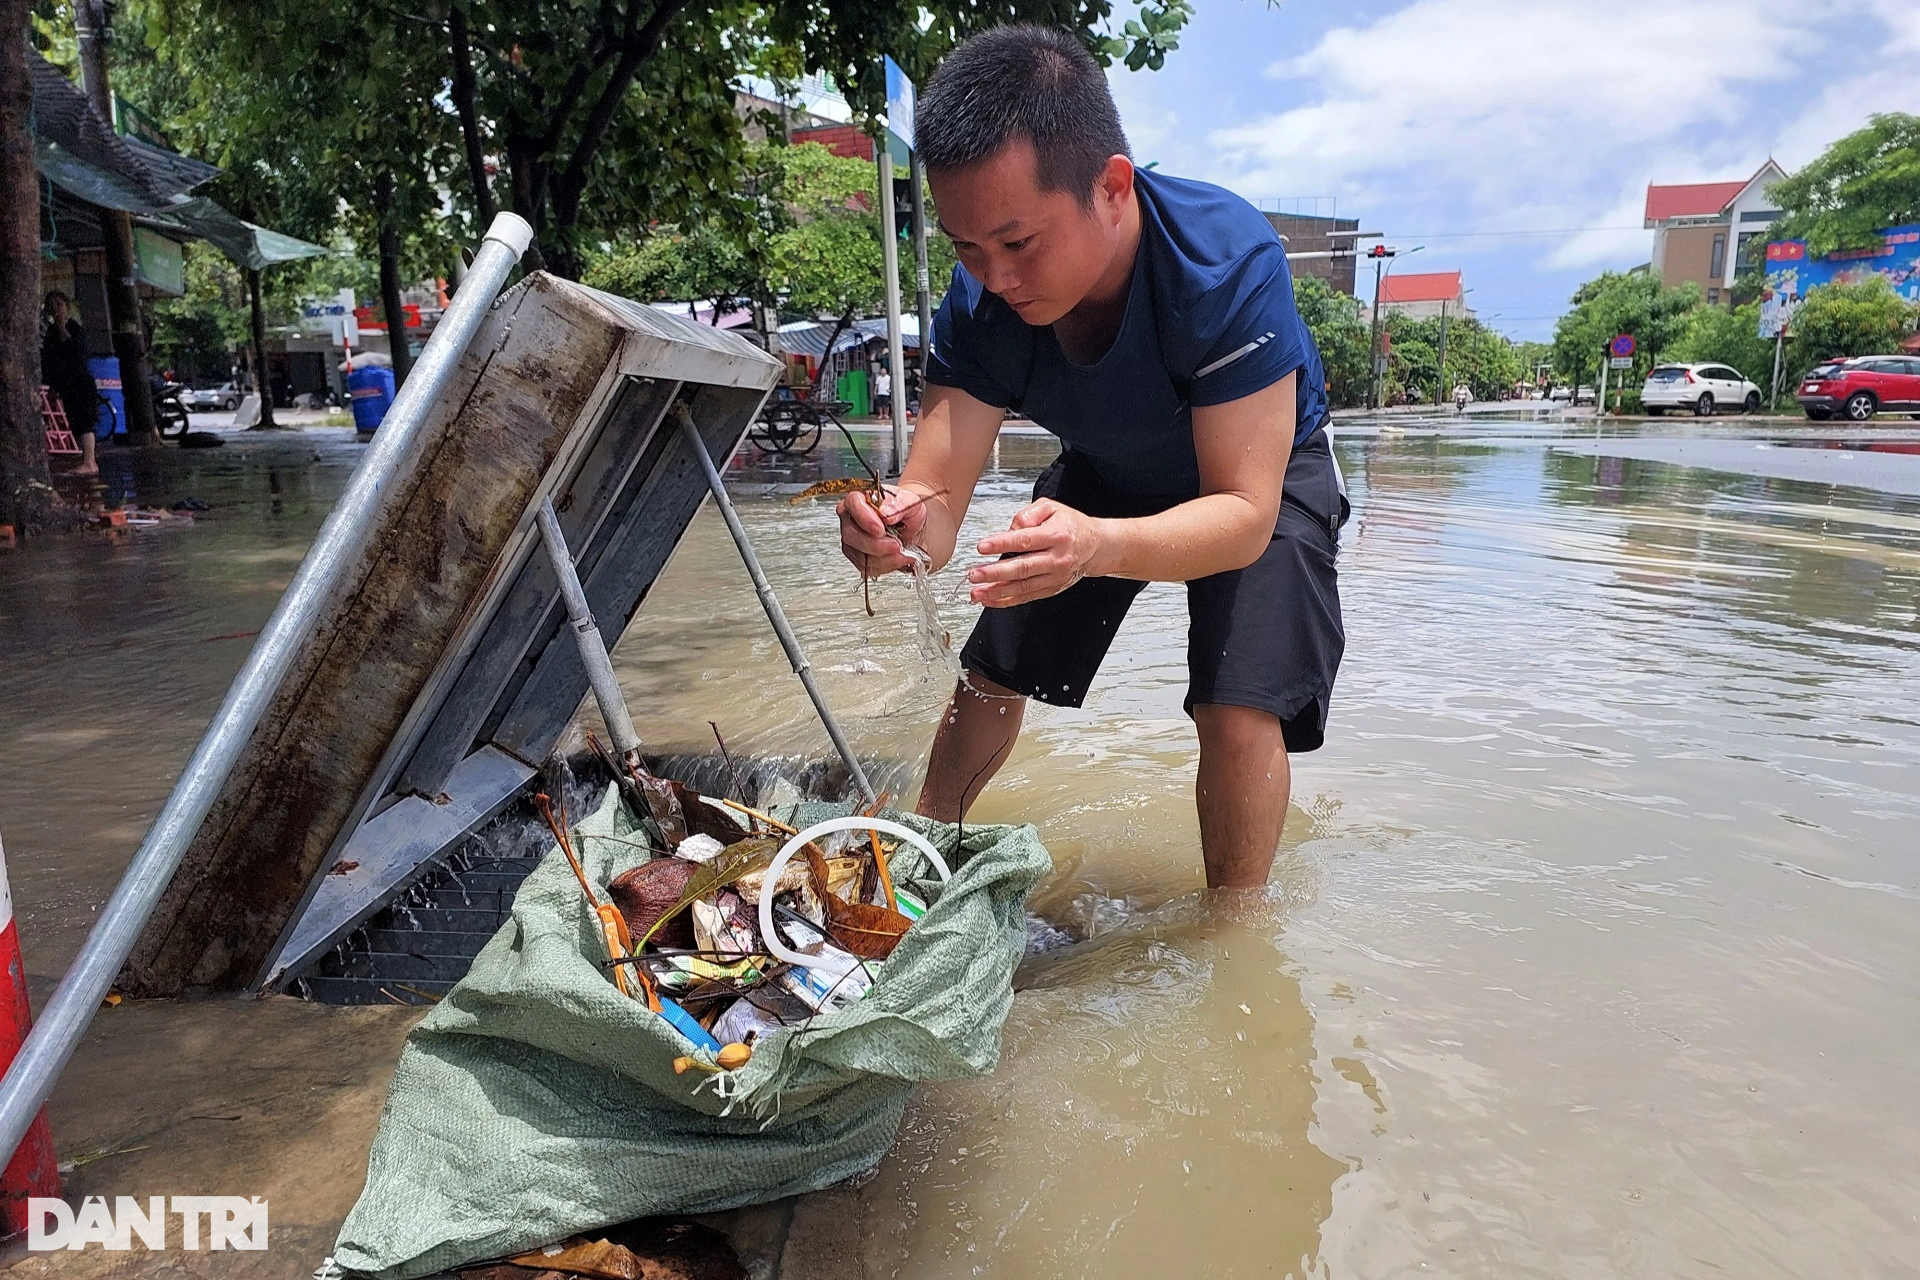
{"points": [[1022, 82]]}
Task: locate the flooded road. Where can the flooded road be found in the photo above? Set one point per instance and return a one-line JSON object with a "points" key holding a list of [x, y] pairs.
{"points": [[1594, 949]]}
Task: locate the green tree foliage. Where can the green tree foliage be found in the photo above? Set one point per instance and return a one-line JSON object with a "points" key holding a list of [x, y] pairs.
{"points": [[591, 120], [829, 259], [1729, 336], [1488, 362], [812, 248], [196, 335], [1865, 319], [1612, 303], [1333, 318], [1866, 181], [1147, 40], [560, 87], [675, 266], [1531, 355]]}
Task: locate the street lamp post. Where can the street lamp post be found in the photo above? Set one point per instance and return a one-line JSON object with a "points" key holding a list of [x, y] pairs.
{"points": [[1376, 371]]}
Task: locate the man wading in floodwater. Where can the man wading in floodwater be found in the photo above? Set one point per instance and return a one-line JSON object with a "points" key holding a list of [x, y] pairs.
{"points": [[1148, 322]]}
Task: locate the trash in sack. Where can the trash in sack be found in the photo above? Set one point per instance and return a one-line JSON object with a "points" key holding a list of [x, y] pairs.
{"points": [[655, 1249], [540, 1101]]}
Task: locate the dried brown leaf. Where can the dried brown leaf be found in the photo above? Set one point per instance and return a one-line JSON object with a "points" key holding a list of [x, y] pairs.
{"points": [[741, 858]]}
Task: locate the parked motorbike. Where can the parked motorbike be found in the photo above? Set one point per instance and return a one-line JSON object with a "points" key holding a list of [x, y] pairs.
{"points": [[169, 414]]}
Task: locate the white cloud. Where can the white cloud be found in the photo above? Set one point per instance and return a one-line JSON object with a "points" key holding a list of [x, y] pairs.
{"points": [[1503, 114], [1881, 82], [1149, 126]]}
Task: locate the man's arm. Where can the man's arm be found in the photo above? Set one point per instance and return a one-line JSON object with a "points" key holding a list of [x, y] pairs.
{"points": [[951, 444], [1242, 447]]}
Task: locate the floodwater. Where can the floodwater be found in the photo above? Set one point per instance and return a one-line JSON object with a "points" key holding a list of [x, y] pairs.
{"points": [[1593, 950]]}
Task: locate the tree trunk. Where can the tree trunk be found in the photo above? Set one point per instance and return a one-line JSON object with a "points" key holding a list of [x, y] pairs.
{"points": [[839, 327], [569, 185], [26, 489], [390, 280], [463, 105], [129, 334], [262, 380]]}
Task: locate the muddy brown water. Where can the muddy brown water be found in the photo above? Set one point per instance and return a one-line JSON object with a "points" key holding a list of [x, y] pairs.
{"points": [[1594, 949]]}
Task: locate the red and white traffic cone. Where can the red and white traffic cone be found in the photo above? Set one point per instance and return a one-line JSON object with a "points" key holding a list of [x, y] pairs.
{"points": [[32, 1171]]}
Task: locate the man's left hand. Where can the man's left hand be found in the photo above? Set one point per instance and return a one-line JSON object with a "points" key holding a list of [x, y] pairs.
{"points": [[1049, 548]]}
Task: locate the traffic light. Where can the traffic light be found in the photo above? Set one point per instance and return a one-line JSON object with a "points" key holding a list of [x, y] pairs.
{"points": [[1379, 251]]}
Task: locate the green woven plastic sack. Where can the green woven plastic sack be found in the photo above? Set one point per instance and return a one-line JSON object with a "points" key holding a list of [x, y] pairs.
{"points": [[535, 1101]]}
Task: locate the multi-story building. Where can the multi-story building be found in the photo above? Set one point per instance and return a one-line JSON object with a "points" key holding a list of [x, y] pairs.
{"points": [[1701, 229], [1305, 233], [1422, 295]]}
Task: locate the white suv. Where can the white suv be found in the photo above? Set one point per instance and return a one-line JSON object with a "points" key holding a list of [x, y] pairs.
{"points": [[1703, 388]]}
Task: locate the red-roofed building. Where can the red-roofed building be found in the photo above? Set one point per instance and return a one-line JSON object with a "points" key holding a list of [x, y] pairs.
{"points": [[844, 140], [1701, 229], [1421, 295]]}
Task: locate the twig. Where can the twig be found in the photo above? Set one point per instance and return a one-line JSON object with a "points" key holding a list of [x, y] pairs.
{"points": [[697, 953], [727, 757], [771, 822]]}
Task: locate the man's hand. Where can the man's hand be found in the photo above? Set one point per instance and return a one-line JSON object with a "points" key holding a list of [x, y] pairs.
{"points": [[865, 536], [1050, 547]]}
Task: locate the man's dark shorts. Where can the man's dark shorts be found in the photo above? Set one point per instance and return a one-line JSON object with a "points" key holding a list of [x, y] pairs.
{"points": [[1267, 636]]}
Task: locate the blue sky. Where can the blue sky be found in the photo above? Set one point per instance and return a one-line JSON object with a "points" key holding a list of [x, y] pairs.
{"points": [[1432, 119]]}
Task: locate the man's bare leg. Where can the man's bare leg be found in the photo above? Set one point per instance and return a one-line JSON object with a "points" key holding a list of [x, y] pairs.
{"points": [[1242, 793], [975, 737]]}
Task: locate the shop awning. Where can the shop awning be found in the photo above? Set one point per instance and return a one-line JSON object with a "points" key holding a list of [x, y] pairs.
{"points": [[76, 151]]}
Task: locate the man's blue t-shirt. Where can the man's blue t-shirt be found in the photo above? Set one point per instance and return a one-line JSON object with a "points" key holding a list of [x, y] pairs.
{"points": [[1210, 318]]}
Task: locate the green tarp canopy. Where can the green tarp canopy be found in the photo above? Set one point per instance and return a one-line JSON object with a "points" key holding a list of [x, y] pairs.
{"points": [[76, 151]]}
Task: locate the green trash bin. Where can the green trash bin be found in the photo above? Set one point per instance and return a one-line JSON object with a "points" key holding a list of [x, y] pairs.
{"points": [[852, 388]]}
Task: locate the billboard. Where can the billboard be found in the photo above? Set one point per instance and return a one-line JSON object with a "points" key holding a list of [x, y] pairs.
{"points": [[1791, 272]]}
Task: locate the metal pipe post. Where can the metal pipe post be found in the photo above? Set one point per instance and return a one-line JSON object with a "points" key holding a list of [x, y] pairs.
{"points": [[586, 635], [922, 277], [890, 261], [342, 539], [1779, 342], [775, 614]]}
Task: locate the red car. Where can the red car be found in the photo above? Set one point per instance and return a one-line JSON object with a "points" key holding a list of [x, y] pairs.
{"points": [[1859, 388]]}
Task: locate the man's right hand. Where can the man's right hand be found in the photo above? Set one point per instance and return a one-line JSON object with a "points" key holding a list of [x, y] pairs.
{"points": [[951, 443], [865, 537]]}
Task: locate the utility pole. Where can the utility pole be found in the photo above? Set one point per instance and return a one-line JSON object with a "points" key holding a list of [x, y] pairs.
{"points": [[917, 174], [1441, 389], [123, 296]]}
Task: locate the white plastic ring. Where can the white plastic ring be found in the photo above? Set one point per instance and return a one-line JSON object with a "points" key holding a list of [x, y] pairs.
{"points": [[852, 822]]}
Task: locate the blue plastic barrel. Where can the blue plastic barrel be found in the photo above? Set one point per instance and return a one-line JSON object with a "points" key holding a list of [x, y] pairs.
{"points": [[371, 390], [106, 376]]}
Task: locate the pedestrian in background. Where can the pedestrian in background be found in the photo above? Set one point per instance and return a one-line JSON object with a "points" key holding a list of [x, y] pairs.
{"points": [[883, 394], [63, 367]]}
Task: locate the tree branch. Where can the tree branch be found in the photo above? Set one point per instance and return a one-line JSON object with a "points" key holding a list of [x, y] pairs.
{"points": [[639, 46]]}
